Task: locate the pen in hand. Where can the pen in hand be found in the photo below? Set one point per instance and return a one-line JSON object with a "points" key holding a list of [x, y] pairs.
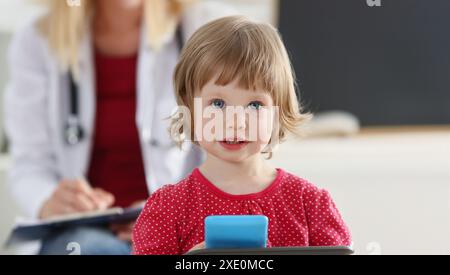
{"points": [[75, 196]]}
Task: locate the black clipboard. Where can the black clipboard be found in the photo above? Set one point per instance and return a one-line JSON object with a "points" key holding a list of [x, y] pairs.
{"points": [[25, 232]]}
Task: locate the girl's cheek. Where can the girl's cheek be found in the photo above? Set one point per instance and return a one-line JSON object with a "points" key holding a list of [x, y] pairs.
{"points": [[266, 126]]}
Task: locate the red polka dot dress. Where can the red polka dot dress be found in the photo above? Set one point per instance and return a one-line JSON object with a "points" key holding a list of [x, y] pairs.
{"points": [[300, 214]]}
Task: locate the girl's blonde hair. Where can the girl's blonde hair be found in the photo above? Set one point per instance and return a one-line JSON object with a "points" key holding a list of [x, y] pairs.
{"points": [[239, 49], [66, 25]]}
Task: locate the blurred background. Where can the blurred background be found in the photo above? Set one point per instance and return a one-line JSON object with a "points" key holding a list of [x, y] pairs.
{"points": [[379, 79]]}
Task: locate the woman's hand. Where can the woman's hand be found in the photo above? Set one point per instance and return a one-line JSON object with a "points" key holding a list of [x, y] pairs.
{"points": [[75, 196], [198, 247]]}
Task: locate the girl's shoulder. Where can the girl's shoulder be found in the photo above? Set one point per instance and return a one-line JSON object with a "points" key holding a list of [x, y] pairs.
{"points": [[176, 192], [298, 185], [168, 202]]}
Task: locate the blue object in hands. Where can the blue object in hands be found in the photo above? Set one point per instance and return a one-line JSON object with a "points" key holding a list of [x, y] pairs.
{"points": [[222, 232]]}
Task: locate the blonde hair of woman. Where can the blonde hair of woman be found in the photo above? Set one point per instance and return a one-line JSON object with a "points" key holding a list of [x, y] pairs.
{"points": [[66, 25]]}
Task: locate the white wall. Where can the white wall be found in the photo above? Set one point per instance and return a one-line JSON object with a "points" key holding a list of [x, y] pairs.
{"points": [[14, 13], [261, 10], [392, 189]]}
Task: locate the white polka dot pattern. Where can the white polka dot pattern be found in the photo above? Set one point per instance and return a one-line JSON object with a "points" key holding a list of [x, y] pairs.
{"points": [[300, 214]]}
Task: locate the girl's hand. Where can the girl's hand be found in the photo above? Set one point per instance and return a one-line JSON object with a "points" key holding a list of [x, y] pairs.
{"points": [[198, 247]]}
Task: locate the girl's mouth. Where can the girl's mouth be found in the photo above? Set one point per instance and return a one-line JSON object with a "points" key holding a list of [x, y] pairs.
{"points": [[234, 145]]}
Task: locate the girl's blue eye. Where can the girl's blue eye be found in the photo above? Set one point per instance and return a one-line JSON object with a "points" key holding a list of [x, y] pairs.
{"points": [[218, 103], [255, 105]]}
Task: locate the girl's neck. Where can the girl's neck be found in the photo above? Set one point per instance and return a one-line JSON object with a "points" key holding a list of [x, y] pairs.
{"points": [[229, 176], [117, 16]]}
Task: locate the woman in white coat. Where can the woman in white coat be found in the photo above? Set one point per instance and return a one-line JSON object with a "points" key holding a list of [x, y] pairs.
{"points": [[71, 110]]}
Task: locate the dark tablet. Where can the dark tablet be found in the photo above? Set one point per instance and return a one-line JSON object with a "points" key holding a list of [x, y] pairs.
{"points": [[311, 250]]}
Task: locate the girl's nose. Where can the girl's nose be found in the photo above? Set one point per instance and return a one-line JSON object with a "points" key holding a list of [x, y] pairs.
{"points": [[237, 121]]}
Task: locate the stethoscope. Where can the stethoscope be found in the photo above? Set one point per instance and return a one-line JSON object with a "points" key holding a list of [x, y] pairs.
{"points": [[73, 129]]}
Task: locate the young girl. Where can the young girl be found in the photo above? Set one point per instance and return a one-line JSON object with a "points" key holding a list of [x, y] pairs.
{"points": [[235, 64]]}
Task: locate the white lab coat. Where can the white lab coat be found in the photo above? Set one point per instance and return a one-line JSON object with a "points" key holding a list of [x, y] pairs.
{"points": [[36, 109]]}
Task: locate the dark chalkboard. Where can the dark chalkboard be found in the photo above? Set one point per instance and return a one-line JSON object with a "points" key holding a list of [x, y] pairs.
{"points": [[389, 65]]}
